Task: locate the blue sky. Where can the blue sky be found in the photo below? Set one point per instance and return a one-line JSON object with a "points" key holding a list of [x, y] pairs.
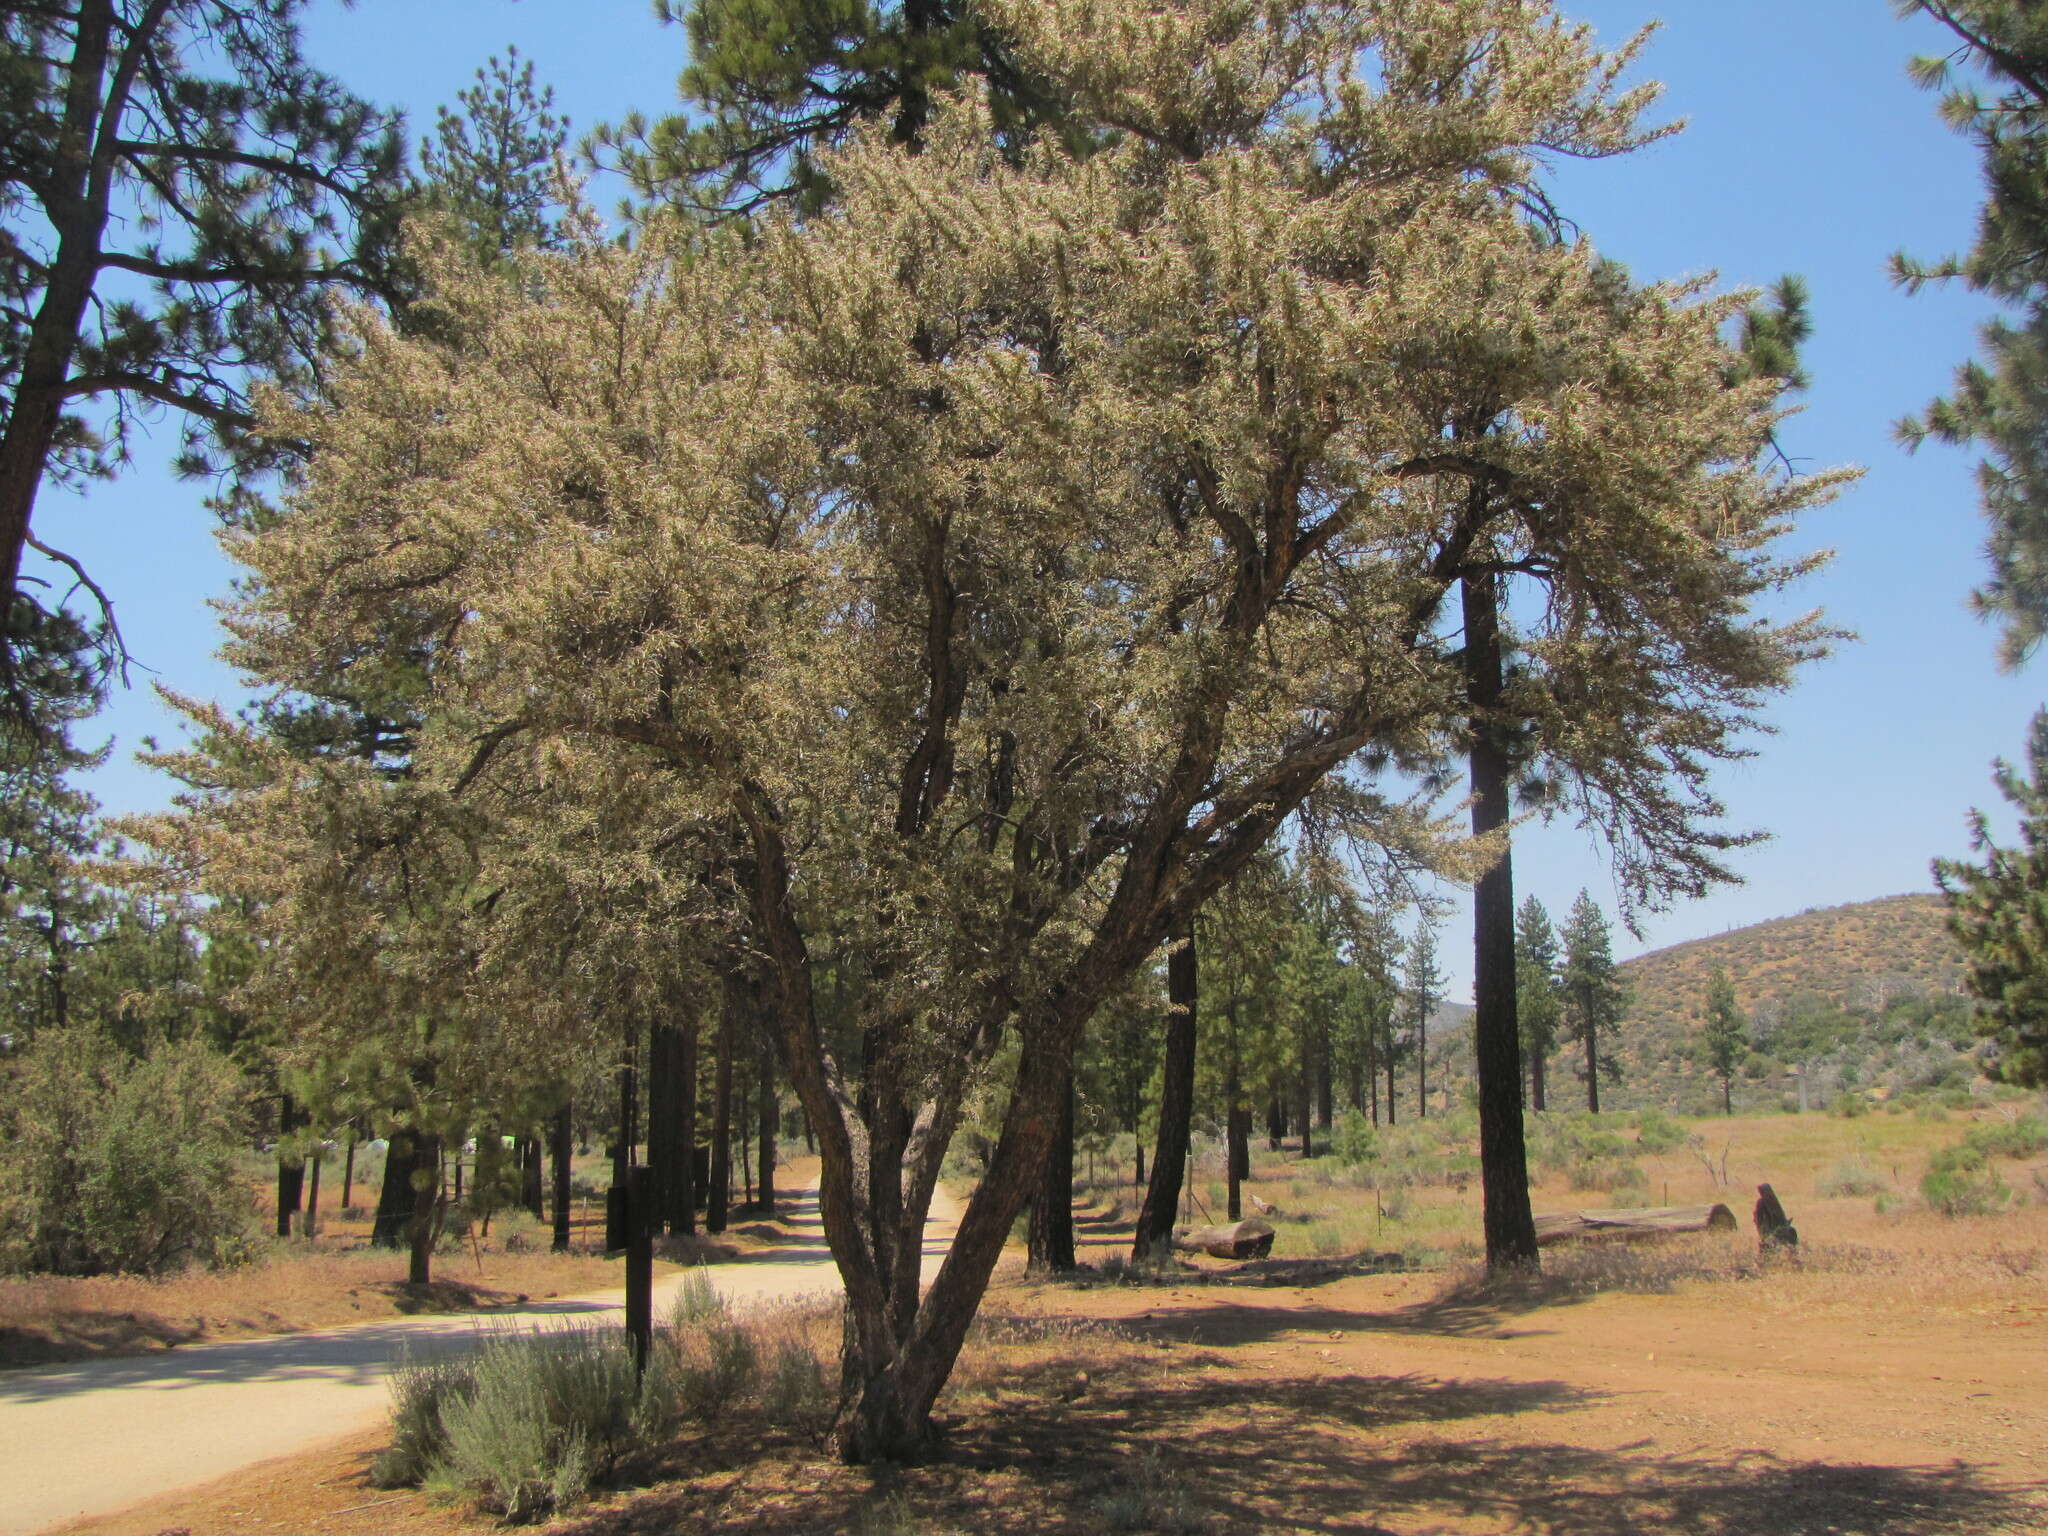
{"points": [[1806, 150]]}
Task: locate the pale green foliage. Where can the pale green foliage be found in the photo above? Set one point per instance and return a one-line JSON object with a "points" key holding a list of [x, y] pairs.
{"points": [[973, 579], [110, 1161]]}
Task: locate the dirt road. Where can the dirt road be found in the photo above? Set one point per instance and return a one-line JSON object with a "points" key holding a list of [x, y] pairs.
{"points": [[86, 1439]]}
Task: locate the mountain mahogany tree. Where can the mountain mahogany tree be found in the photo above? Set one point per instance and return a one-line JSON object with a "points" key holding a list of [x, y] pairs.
{"points": [[978, 575]]}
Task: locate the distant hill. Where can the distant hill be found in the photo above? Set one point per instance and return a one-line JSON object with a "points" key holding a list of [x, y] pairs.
{"points": [[1859, 959], [1855, 956]]}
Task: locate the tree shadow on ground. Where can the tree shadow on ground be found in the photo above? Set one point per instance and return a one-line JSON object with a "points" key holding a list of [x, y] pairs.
{"points": [[1190, 1449], [86, 1335]]}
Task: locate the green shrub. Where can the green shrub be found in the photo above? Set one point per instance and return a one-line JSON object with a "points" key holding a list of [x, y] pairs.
{"points": [[1848, 1105], [1849, 1178], [1356, 1140], [695, 1300], [1608, 1174], [2022, 1136], [1658, 1132], [794, 1392], [115, 1162], [1958, 1183]]}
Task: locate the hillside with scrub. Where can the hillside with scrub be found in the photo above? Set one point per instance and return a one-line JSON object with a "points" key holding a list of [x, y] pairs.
{"points": [[1864, 996]]}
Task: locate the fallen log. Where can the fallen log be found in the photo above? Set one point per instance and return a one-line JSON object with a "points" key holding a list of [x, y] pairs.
{"points": [[1652, 1221], [1238, 1240]]}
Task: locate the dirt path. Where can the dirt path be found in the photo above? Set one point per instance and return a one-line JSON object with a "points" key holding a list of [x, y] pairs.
{"points": [[89, 1438]]}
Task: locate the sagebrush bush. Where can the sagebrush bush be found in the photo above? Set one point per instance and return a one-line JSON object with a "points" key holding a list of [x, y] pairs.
{"points": [[1607, 1173], [111, 1161], [715, 1366], [1851, 1177], [420, 1391]]}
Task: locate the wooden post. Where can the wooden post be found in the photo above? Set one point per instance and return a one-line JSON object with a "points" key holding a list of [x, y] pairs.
{"points": [[639, 1214]]}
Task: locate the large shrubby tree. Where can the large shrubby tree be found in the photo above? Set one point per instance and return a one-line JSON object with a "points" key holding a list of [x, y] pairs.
{"points": [[978, 577]]}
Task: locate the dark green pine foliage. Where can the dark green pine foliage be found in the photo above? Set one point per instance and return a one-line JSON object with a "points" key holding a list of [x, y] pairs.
{"points": [[1596, 998], [1539, 1004], [2000, 398], [491, 164], [1998, 912], [1723, 1039], [1422, 987], [771, 82], [180, 191]]}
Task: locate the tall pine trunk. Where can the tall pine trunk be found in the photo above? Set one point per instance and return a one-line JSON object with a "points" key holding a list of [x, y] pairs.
{"points": [[564, 1139], [1176, 1103], [348, 1172], [771, 1115], [1536, 1082], [1236, 1121], [395, 1199], [530, 1179], [310, 1227], [1051, 1239], [1503, 1155], [291, 1171], [1592, 1064], [737, 1000], [423, 1226], [672, 1123]]}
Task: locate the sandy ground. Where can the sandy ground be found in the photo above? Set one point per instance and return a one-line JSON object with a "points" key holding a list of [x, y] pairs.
{"points": [[94, 1437]]}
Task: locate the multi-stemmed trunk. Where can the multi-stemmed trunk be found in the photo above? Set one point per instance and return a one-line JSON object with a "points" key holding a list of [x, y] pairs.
{"points": [[1176, 1103], [1503, 1156]]}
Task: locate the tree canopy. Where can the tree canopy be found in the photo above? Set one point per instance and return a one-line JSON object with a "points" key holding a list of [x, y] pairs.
{"points": [[979, 577]]}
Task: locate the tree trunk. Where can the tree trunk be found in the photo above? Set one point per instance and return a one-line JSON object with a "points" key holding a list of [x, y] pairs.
{"points": [[565, 1150], [771, 1114], [530, 1177], [1592, 1065], [1051, 1240], [1138, 1178], [1390, 1069], [1326, 1086], [1176, 1102], [291, 1172], [1727, 1095], [348, 1172], [737, 1000], [1536, 1082], [672, 1124], [1236, 1120], [395, 1199], [310, 1227], [426, 1202], [1422, 1066], [1503, 1155], [629, 1105]]}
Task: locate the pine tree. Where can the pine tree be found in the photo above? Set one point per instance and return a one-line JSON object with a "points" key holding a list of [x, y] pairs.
{"points": [[1422, 988], [1998, 400], [1595, 996], [1722, 1040], [771, 83], [188, 144], [1998, 912], [1539, 1005]]}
